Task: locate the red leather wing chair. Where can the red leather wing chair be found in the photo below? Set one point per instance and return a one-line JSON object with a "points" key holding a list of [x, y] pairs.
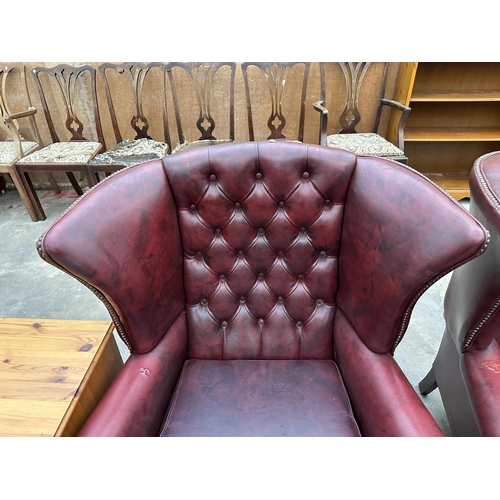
{"points": [[467, 366], [262, 288]]}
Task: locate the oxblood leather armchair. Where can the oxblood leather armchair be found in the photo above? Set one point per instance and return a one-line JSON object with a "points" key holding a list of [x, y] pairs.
{"points": [[467, 366], [262, 289]]}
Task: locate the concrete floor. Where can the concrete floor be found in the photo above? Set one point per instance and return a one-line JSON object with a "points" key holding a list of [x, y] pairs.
{"points": [[31, 288]]}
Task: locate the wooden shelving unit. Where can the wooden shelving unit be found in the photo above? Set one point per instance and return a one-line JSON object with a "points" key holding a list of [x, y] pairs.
{"points": [[455, 118]]}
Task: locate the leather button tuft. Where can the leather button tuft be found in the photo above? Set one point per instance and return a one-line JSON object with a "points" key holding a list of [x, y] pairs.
{"points": [[204, 302], [280, 300], [261, 230], [193, 208], [243, 300], [224, 324], [300, 277], [305, 175], [281, 204], [240, 253], [319, 302], [218, 231], [237, 205], [281, 253], [198, 254], [258, 176], [261, 276], [299, 323], [322, 254], [261, 321], [327, 202], [222, 277], [302, 229], [213, 177]]}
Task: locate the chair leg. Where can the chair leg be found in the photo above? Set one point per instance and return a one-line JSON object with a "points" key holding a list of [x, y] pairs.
{"points": [[23, 188], [428, 383], [55, 186], [74, 183], [92, 177], [32, 193]]}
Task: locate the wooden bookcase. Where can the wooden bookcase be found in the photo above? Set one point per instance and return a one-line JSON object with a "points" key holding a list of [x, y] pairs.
{"points": [[455, 118]]}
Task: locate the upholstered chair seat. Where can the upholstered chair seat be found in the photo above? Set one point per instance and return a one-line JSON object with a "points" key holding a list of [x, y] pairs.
{"points": [[196, 144], [9, 153], [63, 152], [365, 144], [262, 288], [128, 153]]}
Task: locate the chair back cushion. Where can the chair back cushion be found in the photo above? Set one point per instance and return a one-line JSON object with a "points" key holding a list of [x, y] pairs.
{"points": [[260, 226]]}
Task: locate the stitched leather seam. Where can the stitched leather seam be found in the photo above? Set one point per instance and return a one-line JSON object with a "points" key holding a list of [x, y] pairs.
{"points": [[480, 325], [483, 182], [174, 401]]}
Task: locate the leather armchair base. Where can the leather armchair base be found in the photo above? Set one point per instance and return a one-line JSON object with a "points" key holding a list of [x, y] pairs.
{"points": [[260, 398]]}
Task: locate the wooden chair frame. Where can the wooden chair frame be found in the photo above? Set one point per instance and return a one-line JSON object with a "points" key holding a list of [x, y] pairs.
{"points": [[275, 74]]}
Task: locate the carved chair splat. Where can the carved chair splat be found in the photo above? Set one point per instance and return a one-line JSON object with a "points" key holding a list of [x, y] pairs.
{"points": [[370, 143]]}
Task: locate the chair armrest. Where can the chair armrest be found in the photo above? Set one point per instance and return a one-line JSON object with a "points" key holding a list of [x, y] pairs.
{"points": [[21, 114], [136, 402], [384, 402], [402, 120], [481, 372], [318, 106]]}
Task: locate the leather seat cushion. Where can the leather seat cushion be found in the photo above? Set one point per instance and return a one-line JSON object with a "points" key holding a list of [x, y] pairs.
{"points": [[364, 144], [260, 398]]}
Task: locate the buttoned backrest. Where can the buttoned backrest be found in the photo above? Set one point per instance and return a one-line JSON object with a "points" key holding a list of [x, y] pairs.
{"points": [[260, 230]]}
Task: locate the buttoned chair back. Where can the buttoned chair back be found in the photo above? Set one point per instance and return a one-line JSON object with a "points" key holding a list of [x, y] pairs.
{"points": [[233, 270]]}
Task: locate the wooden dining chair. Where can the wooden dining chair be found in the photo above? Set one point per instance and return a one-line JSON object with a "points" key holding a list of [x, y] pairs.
{"points": [[69, 102], [370, 97], [14, 145]]}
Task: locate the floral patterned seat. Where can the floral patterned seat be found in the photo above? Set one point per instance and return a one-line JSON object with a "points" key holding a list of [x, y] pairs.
{"points": [[63, 152], [364, 144], [9, 154], [128, 153]]}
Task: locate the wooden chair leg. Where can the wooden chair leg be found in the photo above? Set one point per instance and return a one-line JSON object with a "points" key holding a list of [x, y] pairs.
{"points": [[92, 178], [74, 183], [428, 383], [55, 186], [26, 196], [34, 197]]}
